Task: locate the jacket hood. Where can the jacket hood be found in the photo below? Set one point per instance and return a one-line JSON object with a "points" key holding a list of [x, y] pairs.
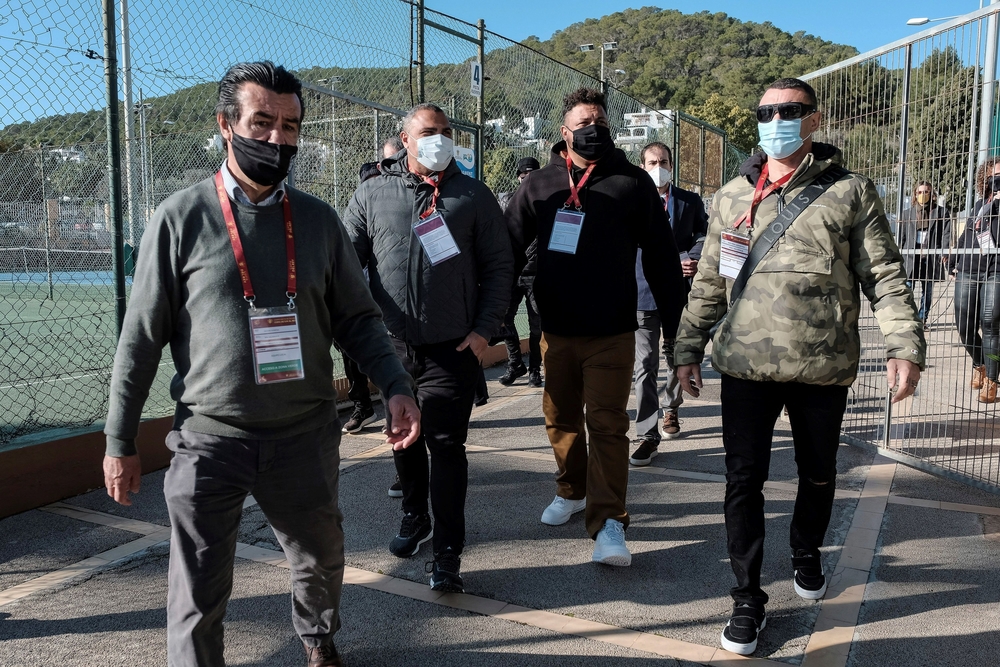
{"points": [[825, 155], [614, 156], [398, 166]]}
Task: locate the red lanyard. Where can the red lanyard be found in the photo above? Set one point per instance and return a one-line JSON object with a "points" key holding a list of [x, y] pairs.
{"points": [[434, 198], [241, 260], [761, 193], [574, 189]]}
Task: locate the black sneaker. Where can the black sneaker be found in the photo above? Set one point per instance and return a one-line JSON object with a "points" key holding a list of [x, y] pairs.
{"points": [[513, 372], [534, 378], [359, 419], [444, 572], [810, 579], [740, 634], [414, 531], [645, 453], [396, 490]]}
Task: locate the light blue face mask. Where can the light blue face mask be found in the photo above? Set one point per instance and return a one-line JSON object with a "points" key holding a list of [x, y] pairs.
{"points": [[780, 138]]}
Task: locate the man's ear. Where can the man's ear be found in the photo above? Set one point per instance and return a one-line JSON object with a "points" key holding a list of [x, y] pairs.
{"points": [[224, 126]]}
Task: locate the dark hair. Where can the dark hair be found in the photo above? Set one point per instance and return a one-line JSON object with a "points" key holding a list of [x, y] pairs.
{"points": [[656, 144], [423, 106], [584, 96], [796, 84], [984, 176], [394, 141], [272, 77]]}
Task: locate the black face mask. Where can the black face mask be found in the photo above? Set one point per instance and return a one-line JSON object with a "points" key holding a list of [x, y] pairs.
{"points": [[592, 142], [994, 184], [263, 163]]}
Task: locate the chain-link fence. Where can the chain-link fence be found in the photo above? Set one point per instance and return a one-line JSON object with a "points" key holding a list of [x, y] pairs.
{"points": [[917, 117], [362, 65]]}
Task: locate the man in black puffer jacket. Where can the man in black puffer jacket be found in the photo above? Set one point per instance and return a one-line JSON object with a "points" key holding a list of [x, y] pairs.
{"points": [[440, 268]]}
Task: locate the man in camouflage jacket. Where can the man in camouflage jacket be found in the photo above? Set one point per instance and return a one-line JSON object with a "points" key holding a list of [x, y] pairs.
{"points": [[791, 339]]}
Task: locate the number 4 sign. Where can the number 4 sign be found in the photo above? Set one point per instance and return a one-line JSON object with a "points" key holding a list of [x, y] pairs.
{"points": [[477, 79]]}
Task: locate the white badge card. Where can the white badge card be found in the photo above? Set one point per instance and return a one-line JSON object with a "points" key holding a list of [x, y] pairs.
{"points": [[436, 239], [277, 349], [733, 254], [566, 231], [985, 239], [921, 237]]}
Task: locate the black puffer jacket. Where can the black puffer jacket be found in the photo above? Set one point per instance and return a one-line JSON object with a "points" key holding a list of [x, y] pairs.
{"points": [[424, 304]]}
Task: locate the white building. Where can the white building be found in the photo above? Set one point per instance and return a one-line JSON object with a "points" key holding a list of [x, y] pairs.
{"points": [[641, 128]]}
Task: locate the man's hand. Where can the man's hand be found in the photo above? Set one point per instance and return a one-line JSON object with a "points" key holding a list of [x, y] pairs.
{"points": [[403, 422], [476, 342], [903, 377], [689, 377], [121, 476], [689, 267]]}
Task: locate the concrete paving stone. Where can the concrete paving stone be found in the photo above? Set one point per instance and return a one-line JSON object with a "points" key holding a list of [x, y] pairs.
{"points": [[914, 483], [933, 595], [35, 543], [148, 505], [117, 618]]}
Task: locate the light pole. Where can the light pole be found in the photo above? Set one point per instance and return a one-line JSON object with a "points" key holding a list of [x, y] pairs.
{"points": [[140, 109], [333, 81], [606, 46], [48, 224]]}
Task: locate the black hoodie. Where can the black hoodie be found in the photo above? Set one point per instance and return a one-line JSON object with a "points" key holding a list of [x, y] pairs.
{"points": [[594, 292]]}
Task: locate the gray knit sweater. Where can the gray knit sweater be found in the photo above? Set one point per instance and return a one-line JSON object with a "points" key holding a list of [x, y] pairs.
{"points": [[187, 292]]}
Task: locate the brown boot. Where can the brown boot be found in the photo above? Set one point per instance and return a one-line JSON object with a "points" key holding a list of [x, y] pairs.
{"points": [[978, 373], [323, 656], [988, 394]]}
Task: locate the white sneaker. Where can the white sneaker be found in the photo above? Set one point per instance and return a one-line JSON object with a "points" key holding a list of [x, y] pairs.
{"points": [[561, 509], [609, 547]]}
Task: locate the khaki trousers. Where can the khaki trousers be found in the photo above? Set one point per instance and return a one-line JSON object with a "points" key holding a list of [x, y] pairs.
{"points": [[587, 383]]}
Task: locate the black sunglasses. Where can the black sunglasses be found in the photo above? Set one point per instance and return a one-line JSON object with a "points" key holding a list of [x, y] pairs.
{"points": [[787, 110]]}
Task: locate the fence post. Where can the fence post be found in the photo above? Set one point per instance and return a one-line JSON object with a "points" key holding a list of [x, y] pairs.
{"points": [[481, 100], [904, 130], [420, 51], [701, 162], [114, 160], [677, 146], [378, 158], [989, 89]]}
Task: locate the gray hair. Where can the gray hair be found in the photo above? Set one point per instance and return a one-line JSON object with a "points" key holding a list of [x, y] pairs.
{"points": [[423, 106], [394, 142]]}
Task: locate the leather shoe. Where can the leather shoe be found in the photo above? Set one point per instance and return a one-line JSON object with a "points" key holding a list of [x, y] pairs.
{"points": [[323, 656]]}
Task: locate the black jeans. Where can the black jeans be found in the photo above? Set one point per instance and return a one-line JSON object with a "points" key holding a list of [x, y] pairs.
{"points": [[749, 412], [534, 330], [446, 381], [977, 304], [357, 389]]}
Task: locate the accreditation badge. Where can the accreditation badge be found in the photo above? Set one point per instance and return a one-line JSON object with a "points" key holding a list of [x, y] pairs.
{"points": [[566, 231], [985, 239], [277, 349], [436, 239], [733, 253]]}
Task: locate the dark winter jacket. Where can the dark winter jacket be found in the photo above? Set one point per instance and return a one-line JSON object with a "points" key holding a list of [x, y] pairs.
{"points": [[916, 237], [423, 304], [689, 223], [970, 259], [594, 292]]}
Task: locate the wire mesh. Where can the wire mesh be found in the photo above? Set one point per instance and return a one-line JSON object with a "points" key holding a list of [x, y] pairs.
{"points": [[908, 117], [357, 64]]}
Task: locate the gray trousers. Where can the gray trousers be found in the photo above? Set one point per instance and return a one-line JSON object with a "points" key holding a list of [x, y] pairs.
{"points": [[294, 481], [650, 398]]}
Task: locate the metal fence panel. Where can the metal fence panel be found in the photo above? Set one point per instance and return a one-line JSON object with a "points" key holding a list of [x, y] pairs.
{"points": [[906, 115]]}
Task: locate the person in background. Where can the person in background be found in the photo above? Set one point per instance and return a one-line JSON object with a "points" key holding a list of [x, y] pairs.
{"points": [[977, 283], [925, 227], [689, 223]]}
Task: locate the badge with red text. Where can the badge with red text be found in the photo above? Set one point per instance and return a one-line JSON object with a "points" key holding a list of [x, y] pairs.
{"points": [[566, 231], [436, 239], [277, 350], [733, 254]]}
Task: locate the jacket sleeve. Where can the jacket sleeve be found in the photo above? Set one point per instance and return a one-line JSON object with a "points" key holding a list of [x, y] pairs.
{"points": [[707, 301], [876, 262], [356, 224], [148, 326], [661, 262], [494, 264], [699, 227], [521, 225], [356, 320]]}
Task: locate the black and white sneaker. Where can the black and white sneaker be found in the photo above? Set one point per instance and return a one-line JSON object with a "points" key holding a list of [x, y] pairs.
{"points": [[740, 634], [359, 419], [444, 572], [644, 454], [396, 489], [810, 578], [413, 531]]}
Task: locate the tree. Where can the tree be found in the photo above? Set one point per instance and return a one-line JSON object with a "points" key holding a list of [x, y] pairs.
{"points": [[739, 122]]}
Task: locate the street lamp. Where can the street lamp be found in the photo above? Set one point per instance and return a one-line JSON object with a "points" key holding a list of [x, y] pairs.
{"points": [[333, 81], [606, 46], [925, 21], [140, 108]]}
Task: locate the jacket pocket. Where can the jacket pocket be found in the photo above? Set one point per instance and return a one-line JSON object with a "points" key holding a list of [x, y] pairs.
{"points": [[792, 259]]}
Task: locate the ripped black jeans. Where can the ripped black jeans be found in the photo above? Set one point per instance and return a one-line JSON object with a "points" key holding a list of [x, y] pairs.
{"points": [[749, 412]]}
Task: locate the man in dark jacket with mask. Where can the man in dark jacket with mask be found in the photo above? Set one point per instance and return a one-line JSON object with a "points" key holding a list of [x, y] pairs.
{"points": [[440, 267], [591, 210]]}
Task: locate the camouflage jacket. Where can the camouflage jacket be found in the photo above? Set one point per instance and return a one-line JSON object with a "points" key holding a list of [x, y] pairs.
{"points": [[797, 320]]}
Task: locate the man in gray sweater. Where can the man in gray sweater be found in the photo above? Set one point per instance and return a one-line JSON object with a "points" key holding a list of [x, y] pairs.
{"points": [[250, 281], [440, 267]]}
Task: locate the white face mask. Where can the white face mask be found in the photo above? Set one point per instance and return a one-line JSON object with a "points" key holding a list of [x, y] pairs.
{"points": [[660, 175], [435, 152]]}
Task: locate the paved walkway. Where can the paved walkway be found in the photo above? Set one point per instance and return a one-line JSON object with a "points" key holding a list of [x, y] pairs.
{"points": [[913, 557]]}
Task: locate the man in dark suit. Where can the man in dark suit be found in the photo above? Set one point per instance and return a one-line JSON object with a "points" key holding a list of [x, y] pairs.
{"points": [[689, 224]]}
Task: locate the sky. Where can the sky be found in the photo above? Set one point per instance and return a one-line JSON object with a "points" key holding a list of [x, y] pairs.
{"points": [[863, 24]]}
